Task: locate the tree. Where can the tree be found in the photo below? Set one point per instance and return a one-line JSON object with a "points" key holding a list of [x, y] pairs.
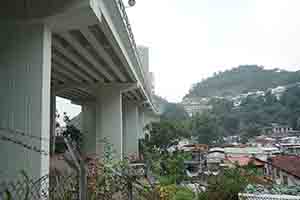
{"points": [[174, 111], [174, 167], [242, 79], [203, 127], [225, 187], [165, 133], [251, 130]]}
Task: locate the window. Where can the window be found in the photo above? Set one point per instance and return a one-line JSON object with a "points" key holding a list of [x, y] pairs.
{"points": [[285, 180]]}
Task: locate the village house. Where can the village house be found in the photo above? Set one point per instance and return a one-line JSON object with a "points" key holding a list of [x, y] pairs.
{"points": [[197, 163], [283, 169], [215, 158], [243, 161]]}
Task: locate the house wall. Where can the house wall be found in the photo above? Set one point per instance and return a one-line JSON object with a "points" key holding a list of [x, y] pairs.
{"points": [[279, 178]]}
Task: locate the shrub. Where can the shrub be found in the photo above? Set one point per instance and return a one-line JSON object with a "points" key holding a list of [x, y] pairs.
{"points": [[184, 194], [225, 187]]}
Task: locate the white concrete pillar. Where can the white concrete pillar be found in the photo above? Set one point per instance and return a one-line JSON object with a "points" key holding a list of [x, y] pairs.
{"points": [[146, 117], [109, 123], [130, 127], [52, 120], [89, 127], [25, 68], [141, 123]]}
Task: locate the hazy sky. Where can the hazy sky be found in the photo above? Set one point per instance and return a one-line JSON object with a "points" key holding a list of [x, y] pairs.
{"points": [[191, 39]]}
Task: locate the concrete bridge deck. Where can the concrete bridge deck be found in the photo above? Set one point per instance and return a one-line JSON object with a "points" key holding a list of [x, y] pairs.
{"points": [[82, 50]]}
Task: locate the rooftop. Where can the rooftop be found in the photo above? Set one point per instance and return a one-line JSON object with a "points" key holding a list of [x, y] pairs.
{"points": [[289, 164], [245, 150], [245, 160]]}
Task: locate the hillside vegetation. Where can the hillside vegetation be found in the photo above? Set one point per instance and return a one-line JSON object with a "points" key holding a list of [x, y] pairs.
{"points": [[170, 111], [242, 79], [250, 118]]}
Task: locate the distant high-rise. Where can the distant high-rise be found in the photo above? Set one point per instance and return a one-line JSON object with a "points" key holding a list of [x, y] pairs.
{"points": [[144, 56]]}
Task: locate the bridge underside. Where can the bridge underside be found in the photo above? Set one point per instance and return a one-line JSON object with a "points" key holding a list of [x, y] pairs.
{"points": [[83, 59], [79, 50], [87, 46]]}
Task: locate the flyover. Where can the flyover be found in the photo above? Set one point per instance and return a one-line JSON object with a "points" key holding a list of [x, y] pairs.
{"points": [[82, 50]]}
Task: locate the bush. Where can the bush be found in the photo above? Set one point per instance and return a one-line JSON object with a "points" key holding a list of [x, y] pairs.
{"points": [[184, 194], [225, 187], [167, 192], [166, 180]]}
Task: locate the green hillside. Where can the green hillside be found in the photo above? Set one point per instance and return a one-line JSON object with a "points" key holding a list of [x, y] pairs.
{"points": [[242, 79]]}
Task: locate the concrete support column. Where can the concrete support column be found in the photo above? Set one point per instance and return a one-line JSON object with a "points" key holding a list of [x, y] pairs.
{"points": [[141, 123], [25, 68], [130, 127], [109, 123], [146, 117], [52, 120], [89, 128]]}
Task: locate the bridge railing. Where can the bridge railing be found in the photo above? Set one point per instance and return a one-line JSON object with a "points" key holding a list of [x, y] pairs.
{"points": [[144, 76]]}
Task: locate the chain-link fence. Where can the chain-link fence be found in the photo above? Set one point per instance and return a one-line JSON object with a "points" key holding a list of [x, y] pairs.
{"points": [[267, 197], [49, 187], [61, 187]]}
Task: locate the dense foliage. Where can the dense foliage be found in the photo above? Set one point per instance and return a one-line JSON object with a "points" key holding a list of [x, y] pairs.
{"points": [[170, 111], [254, 114], [175, 192], [203, 128], [174, 111], [242, 79], [225, 187], [168, 167], [165, 133], [251, 118], [172, 167]]}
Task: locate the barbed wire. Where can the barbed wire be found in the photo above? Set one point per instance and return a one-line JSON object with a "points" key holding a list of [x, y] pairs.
{"points": [[26, 146], [22, 133]]}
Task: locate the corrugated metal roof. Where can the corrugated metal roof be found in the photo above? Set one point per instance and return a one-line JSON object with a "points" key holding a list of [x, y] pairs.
{"points": [[246, 150]]}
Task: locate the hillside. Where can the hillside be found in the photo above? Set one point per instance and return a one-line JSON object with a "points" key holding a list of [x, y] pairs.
{"points": [[243, 79]]}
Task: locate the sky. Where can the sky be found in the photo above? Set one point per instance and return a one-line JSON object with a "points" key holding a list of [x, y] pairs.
{"points": [[189, 40]]}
